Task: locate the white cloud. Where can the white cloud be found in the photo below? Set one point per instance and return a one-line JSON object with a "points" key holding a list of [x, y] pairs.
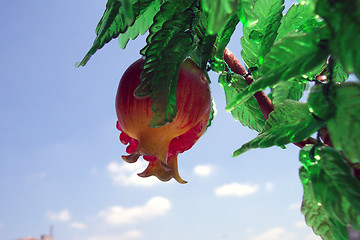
{"points": [[125, 174], [117, 215], [134, 234], [295, 206], [78, 225], [312, 236], [269, 186], [62, 216], [300, 224], [277, 233], [203, 170], [39, 175], [236, 189]]}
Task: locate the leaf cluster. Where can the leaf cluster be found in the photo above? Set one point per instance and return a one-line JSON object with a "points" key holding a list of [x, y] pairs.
{"points": [[314, 43]]}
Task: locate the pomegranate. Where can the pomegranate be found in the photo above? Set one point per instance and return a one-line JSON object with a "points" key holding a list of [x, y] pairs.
{"points": [[160, 146]]}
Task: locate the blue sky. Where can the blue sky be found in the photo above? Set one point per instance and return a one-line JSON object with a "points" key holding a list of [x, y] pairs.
{"points": [[60, 158]]}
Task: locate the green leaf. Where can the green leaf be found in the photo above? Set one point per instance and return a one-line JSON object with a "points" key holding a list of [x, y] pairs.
{"points": [[290, 57], [249, 113], [339, 73], [335, 186], [343, 19], [218, 12], [344, 126], [223, 39], [290, 122], [168, 48], [118, 16], [142, 23], [258, 39], [315, 216], [299, 19], [292, 89], [167, 12]]}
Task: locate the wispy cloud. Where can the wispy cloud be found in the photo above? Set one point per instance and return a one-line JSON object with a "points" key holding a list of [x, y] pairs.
{"points": [[236, 189], [269, 186], [277, 233], [125, 174], [62, 216], [300, 224], [203, 170], [117, 215], [38, 175], [131, 235], [78, 225]]}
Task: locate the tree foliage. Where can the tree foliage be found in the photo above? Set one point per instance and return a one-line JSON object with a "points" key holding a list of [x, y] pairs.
{"points": [[314, 43]]}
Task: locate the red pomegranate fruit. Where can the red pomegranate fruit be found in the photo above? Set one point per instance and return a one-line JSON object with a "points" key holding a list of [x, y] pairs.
{"points": [[160, 146]]}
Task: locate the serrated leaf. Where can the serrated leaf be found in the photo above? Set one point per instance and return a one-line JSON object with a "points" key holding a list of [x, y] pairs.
{"points": [[315, 216], [168, 48], [343, 19], [115, 20], [249, 113], [334, 184], [142, 23], [292, 89], [290, 122], [290, 57], [218, 12], [300, 18], [167, 11], [223, 39], [258, 39], [344, 127], [339, 73]]}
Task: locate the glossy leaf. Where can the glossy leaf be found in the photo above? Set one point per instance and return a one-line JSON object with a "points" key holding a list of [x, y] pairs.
{"points": [[167, 12], [222, 41], [334, 184], [315, 216], [291, 57], [142, 23], [344, 127], [300, 18], [257, 39], [249, 113], [168, 48], [290, 122], [292, 89], [218, 12], [343, 19], [339, 73]]}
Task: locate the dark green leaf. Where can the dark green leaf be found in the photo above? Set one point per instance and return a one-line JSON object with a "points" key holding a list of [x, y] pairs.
{"points": [[218, 12], [142, 23], [290, 57], [344, 127], [164, 55], [118, 16], [258, 39], [290, 122], [339, 73], [343, 19], [315, 216], [292, 89], [249, 113], [299, 19], [334, 184], [223, 38], [167, 11]]}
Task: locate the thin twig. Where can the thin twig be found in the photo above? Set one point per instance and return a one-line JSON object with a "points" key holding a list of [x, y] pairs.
{"points": [[266, 106]]}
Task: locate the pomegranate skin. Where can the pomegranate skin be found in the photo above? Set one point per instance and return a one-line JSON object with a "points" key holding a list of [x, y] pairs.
{"points": [[134, 115]]}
